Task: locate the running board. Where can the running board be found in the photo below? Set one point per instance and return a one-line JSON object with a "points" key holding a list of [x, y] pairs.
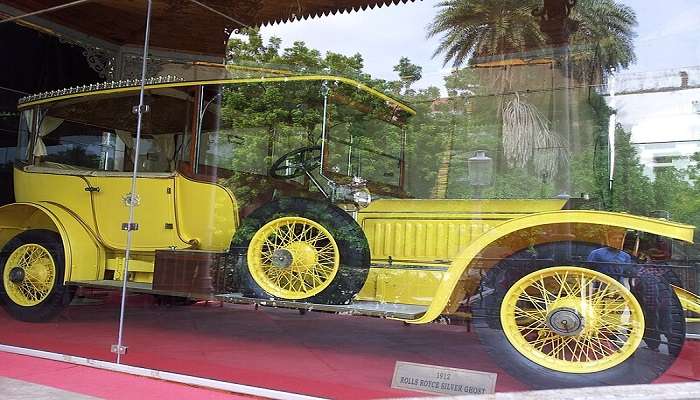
{"points": [[137, 287], [367, 308], [358, 307]]}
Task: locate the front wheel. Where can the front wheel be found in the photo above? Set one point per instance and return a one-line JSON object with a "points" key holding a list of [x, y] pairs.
{"points": [[301, 249], [33, 266], [569, 326]]}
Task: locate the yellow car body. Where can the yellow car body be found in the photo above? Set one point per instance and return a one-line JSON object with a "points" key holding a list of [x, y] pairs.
{"points": [[430, 253], [435, 246]]}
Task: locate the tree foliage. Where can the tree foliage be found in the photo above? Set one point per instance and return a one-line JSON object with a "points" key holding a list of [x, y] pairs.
{"points": [[409, 73], [449, 129]]}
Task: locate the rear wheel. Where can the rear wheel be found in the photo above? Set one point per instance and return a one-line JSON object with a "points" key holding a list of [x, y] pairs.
{"points": [[33, 266], [555, 324], [572, 319], [301, 249]]}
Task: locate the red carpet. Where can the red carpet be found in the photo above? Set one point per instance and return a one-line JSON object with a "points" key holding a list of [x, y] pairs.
{"points": [[100, 383], [320, 354]]}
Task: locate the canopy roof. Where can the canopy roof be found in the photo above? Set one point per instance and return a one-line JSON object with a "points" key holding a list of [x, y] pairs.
{"points": [[183, 25], [353, 93]]}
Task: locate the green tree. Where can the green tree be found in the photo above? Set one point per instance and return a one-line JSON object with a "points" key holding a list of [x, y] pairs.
{"points": [[252, 49], [677, 192], [462, 82], [428, 138], [453, 127], [289, 114], [409, 73], [474, 29], [694, 171], [632, 191], [603, 40]]}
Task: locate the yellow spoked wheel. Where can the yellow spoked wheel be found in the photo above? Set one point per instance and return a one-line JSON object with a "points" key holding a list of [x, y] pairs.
{"points": [[29, 275], [299, 248], [572, 319], [293, 258]]}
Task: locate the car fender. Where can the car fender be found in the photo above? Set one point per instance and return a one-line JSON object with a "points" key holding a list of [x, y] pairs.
{"points": [[84, 256], [573, 224]]}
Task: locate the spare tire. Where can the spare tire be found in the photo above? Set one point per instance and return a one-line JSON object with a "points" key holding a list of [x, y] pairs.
{"points": [[301, 250]]}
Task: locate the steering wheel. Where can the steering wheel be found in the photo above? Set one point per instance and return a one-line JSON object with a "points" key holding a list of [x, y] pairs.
{"points": [[296, 163]]}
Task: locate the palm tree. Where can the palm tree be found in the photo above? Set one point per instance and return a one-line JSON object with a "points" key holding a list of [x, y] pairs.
{"points": [[604, 39], [484, 27], [475, 28]]}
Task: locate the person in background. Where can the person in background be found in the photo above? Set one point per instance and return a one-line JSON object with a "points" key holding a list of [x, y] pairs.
{"points": [[610, 259], [644, 284], [656, 302]]}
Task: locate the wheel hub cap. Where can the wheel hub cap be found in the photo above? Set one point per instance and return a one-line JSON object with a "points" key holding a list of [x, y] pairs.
{"points": [[303, 255], [565, 321], [281, 258], [17, 275]]}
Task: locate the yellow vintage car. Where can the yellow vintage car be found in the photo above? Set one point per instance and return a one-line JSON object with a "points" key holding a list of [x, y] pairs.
{"points": [[232, 204]]}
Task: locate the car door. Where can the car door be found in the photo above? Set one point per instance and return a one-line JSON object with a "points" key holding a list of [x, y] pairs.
{"points": [[154, 214]]}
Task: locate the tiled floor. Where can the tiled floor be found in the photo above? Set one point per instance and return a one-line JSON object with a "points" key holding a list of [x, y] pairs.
{"points": [[13, 389]]}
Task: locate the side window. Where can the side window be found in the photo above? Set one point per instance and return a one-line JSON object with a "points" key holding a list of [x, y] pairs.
{"points": [[225, 143], [9, 120], [73, 145], [8, 140], [98, 132], [157, 153]]}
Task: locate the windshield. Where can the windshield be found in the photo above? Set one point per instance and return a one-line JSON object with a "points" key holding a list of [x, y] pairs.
{"points": [[248, 129]]}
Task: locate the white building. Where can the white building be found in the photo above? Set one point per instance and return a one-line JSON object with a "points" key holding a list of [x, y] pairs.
{"points": [[662, 111]]}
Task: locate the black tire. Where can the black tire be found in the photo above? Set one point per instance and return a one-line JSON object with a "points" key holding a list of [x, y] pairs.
{"points": [[60, 295], [348, 235], [662, 311]]}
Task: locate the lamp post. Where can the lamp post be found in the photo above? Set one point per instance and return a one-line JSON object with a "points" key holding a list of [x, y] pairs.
{"points": [[480, 171]]}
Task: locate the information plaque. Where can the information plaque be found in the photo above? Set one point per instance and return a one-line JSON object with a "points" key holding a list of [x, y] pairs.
{"points": [[444, 380]]}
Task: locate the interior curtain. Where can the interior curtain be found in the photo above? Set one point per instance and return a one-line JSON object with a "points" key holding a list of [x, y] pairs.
{"points": [[165, 144], [125, 137], [29, 117], [48, 125]]}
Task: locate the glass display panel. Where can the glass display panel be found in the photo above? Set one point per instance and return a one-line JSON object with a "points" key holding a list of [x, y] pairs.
{"points": [[78, 158], [452, 197]]}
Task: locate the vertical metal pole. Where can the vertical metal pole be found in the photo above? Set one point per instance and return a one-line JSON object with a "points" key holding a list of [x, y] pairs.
{"points": [[132, 194], [350, 156], [325, 90], [612, 123], [566, 125]]}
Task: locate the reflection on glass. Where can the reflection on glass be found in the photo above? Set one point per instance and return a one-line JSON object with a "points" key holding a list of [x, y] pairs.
{"points": [[298, 180]]}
